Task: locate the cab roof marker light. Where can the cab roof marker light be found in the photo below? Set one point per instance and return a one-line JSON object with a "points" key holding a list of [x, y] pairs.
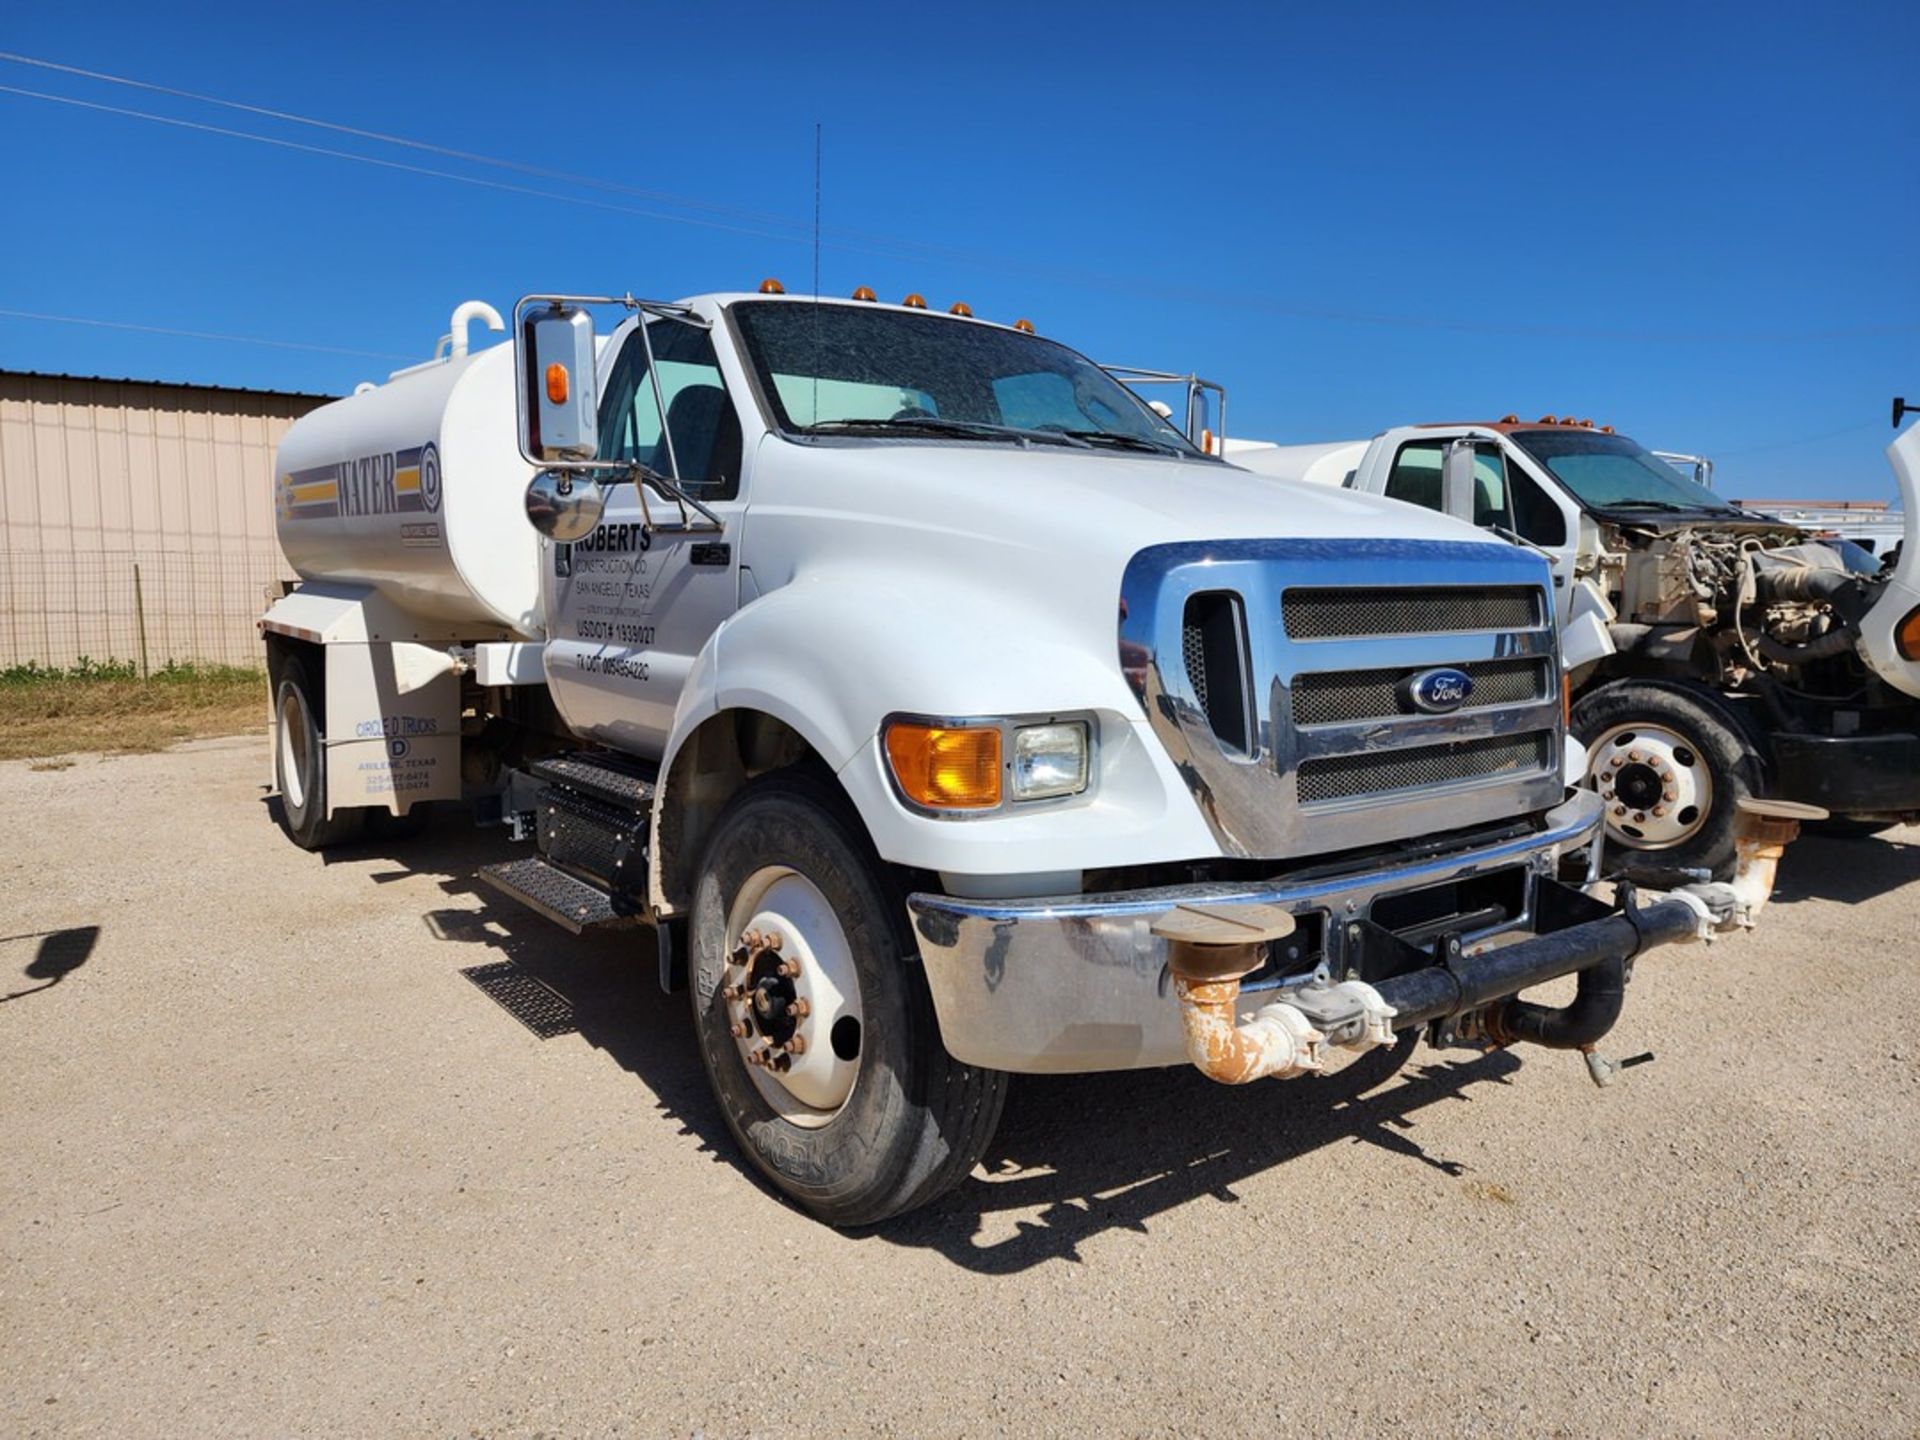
{"points": [[1549, 420], [771, 286], [960, 307], [915, 301], [1509, 419], [1024, 326], [864, 292]]}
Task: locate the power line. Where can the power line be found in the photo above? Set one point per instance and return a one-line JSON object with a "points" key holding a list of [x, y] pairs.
{"points": [[427, 147], [199, 334], [398, 165]]}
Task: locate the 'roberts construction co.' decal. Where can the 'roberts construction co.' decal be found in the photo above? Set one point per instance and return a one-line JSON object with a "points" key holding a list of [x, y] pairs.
{"points": [[388, 482]]}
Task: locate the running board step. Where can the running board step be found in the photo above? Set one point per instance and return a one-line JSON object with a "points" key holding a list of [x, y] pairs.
{"points": [[562, 898], [612, 778]]}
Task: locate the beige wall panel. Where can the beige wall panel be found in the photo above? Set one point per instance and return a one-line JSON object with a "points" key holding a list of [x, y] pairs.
{"points": [[100, 476]]}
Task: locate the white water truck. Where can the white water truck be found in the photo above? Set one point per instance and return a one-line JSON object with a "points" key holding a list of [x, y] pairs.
{"points": [[945, 713]]}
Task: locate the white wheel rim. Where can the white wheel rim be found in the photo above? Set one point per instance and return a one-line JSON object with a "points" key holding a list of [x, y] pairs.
{"points": [[784, 944], [1655, 784], [293, 750]]}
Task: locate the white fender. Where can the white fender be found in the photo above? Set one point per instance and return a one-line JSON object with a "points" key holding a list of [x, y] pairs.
{"points": [[1902, 592]]}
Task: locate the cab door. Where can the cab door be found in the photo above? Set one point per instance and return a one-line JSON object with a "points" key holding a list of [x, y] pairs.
{"points": [[1506, 500], [632, 605]]}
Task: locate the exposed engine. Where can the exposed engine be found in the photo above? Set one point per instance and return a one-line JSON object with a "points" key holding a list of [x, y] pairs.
{"points": [[1740, 604]]}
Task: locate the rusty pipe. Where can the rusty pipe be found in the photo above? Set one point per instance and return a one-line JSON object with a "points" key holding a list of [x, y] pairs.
{"points": [[1277, 1040], [1762, 830], [1210, 950]]}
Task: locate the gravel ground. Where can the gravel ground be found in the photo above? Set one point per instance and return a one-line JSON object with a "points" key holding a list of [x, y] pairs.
{"points": [[273, 1165]]}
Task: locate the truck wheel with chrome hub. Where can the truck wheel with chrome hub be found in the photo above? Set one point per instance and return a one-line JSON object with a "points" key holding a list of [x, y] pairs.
{"points": [[1671, 764], [814, 1020]]}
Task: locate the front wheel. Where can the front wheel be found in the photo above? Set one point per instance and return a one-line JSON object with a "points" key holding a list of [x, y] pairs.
{"points": [[814, 1021], [1671, 766]]}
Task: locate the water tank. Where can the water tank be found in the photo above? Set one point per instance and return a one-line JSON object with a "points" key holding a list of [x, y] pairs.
{"points": [[416, 487]]}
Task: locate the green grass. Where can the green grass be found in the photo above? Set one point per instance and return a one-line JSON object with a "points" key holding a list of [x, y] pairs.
{"points": [[105, 706]]}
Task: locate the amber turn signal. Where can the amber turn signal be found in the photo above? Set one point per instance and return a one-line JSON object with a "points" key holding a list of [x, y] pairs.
{"points": [[1906, 635], [946, 769], [556, 384]]}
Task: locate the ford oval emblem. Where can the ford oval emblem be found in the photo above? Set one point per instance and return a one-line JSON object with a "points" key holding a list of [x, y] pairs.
{"points": [[1438, 692]]}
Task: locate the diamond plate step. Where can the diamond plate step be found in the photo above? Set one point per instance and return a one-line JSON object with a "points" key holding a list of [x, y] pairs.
{"points": [[612, 778], [560, 897]]}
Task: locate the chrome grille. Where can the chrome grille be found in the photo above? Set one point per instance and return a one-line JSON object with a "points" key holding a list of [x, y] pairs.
{"points": [[1326, 613], [1338, 697], [1324, 633], [1381, 772]]}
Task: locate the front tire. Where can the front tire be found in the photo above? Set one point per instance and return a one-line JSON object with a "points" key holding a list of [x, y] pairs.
{"points": [[1672, 765], [798, 932]]}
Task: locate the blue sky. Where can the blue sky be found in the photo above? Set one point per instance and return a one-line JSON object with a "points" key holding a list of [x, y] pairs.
{"points": [[1694, 222]]}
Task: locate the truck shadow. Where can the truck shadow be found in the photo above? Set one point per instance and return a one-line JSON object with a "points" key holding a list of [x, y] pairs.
{"points": [[1821, 867], [1051, 1180]]}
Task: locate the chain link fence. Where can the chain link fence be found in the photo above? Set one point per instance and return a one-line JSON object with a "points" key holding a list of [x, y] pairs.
{"points": [[147, 607]]}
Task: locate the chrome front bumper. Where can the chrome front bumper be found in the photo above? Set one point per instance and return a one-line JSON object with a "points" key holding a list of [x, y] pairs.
{"points": [[1076, 983]]}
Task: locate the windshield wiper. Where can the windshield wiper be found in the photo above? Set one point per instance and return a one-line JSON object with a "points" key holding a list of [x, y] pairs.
{"points": [[1123, 442], [940, 425], [1647, 505]]}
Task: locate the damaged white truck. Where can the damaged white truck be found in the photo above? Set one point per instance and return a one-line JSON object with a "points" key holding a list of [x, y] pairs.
{"points": [[946, 714], [1717, 654]]}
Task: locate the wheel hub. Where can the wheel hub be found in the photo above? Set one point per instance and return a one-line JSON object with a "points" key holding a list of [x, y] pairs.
{"points": [[792, 997], [1656, 785]]}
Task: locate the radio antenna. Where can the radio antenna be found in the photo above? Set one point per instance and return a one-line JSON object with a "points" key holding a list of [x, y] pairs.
{"points": [[816, 271]]}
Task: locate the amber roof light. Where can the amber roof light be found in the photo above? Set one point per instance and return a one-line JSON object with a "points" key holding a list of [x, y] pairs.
{"points": [[1025, 327], [960, 307], [864, 292], [771, 286], [916, 301]]}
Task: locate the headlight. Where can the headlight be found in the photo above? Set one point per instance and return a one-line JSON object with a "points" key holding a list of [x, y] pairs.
{"points": [[1049, 760]]}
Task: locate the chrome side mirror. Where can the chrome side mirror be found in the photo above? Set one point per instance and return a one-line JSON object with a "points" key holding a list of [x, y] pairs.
{"points": [[557, 358], [565, 507], [1456, 480]]}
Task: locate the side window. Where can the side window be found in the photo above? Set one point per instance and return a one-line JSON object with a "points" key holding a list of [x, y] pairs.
{"points": [[1415, 478], [1534, 513], [700, 418]]}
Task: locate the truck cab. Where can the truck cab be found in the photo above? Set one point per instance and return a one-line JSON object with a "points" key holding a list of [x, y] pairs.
{"points": [[1717, 653], [946, 713]]}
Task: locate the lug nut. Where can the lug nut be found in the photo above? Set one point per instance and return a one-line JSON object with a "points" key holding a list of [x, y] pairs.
{"points": [[730, 992], [1639, 817], [801, 1008], [789, 968], [771, 939], [1658, 811], [739, 1030], [1670, 795], [797, 1045], [1619, 810]]}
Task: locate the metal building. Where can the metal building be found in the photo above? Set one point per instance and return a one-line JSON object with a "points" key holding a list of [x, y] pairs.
{"points": [[136, 518]]}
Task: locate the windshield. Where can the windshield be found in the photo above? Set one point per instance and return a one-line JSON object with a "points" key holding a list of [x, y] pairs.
{"points": [[858, 370], [1611, 472]]}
